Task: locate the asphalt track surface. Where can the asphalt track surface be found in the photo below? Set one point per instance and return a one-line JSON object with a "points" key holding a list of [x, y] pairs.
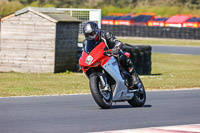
{"points": [[79, 113], [176, 49]]}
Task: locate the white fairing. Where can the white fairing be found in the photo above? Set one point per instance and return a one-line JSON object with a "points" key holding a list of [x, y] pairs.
{"points": [[121, 91]]}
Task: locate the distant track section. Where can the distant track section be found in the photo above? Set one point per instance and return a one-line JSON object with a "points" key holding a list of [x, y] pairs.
{"points": [[176, 49]]}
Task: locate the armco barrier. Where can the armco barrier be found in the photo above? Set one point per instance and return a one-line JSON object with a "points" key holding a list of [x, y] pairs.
{"points": [[153, 31], [139, 54]]}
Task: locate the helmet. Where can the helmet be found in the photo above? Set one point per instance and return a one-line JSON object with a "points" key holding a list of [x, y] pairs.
{"points": [[91, 30]]}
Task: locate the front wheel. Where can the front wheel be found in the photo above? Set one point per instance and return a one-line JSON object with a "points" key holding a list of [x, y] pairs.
{"points": [[102, 97], [139, 98]]}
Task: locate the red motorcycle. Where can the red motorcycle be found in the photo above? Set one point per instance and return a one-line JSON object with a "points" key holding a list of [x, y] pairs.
{"points": [[108, 79]]}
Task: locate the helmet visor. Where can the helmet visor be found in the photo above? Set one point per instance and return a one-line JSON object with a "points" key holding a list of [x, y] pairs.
{"points": [[90, 36]]}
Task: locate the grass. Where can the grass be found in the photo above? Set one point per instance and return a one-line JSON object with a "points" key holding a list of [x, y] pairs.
{"points": [[151, 41], [172, 71], [154, 41], [23, 84], [169, 71]]}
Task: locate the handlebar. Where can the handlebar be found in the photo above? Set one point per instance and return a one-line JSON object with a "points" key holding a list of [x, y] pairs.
{"points": [[111, 52], [107, 53]]}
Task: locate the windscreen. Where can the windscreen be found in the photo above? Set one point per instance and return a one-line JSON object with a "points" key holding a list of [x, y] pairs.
{"points": [[90, 45]]}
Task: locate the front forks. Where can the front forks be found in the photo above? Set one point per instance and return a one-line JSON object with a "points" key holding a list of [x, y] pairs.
{"points": [[103, 80]]}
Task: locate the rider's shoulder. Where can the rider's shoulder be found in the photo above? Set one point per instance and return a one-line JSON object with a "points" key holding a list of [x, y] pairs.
{"points": [[106, 33]]}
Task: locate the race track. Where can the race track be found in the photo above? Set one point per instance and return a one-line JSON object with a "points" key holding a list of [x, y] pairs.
{"points": [[79, 113], [190, 50]]}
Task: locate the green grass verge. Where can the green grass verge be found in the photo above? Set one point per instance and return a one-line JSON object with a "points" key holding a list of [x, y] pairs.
{"points": [[160, 41], [169, 71], [23, 84]]}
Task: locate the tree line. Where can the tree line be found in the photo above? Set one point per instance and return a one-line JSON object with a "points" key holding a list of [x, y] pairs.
{"points": [[9, 6]]}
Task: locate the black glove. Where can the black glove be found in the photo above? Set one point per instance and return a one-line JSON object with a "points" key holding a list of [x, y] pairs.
{"points": [[118, 44], [107, 53], [115, 51]]}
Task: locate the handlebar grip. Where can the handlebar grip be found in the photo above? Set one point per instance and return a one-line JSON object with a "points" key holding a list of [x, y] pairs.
{"points": [[107, 52]]}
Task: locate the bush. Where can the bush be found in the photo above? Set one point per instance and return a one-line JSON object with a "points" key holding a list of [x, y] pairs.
{"points": [[166, 11], [113, 9], [7, 8]]}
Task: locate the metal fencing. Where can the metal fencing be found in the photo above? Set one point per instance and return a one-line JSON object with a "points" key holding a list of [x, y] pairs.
{"points": [[84, 15]]}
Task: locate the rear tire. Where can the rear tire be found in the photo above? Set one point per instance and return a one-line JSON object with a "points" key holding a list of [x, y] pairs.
{"points": [[102, 98], [139, 98]]}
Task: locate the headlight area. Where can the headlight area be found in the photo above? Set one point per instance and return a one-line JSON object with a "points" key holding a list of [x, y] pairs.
{"points": [[88, 59]]}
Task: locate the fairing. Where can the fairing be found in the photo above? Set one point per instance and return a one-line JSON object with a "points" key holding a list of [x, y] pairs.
{"points": [[98, 57], [121, 90]]}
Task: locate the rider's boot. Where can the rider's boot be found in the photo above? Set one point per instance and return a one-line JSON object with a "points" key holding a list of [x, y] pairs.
{"points": [[127, 63], [133, 80]]}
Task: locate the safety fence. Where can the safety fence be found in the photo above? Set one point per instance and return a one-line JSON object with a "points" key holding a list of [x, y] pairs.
{"points": [[84, 15], [153, 31], [139, 54]]}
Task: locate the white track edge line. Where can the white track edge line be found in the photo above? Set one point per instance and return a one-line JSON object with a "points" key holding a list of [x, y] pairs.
{"points": [[56, 95]]}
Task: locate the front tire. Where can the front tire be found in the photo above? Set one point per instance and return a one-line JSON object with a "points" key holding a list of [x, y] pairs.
{"points": [[102, 98], [139, 98]]}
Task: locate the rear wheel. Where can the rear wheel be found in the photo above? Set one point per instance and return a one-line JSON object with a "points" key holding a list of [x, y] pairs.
{"points": [[139, 98], [102, 97]]}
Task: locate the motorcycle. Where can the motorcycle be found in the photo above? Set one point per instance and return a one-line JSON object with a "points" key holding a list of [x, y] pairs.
{"points": [[107, 78]]}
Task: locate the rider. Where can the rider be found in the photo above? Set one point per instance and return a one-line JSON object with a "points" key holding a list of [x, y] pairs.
{"points": [[94, 35]]}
